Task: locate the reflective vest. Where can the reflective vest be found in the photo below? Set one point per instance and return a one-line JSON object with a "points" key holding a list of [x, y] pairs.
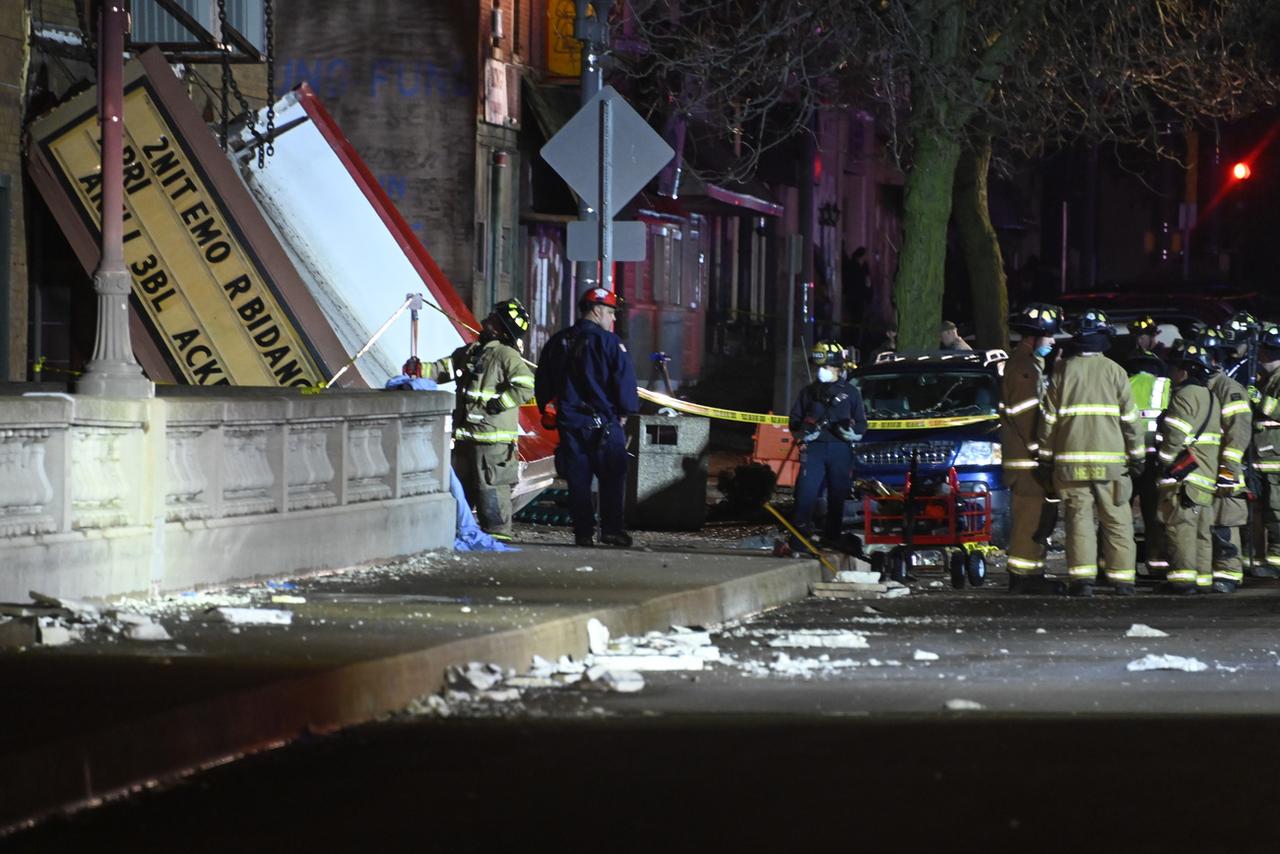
{"points": [[492, 382], [1089, 426], [1151, 396]]}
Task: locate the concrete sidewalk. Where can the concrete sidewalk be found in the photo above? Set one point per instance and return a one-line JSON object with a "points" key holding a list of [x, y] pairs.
{"points": [[93, 718]]}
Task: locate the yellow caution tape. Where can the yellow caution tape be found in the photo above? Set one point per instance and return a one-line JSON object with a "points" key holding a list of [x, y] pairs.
{"points": [[926, 423], [769, 418], [711, 411]]}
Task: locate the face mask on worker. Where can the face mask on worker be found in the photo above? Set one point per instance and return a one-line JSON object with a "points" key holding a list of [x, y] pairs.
{"points": [[828, 375], [1044, 350]]}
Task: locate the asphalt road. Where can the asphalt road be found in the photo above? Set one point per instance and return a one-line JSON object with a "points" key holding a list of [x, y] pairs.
{"points": [[1068, 749]]}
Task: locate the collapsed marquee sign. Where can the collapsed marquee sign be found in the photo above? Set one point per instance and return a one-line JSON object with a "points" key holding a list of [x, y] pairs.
{"points": [[214, 294], [221, 296]]}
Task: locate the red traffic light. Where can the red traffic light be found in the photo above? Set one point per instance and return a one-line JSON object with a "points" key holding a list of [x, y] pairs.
{"points": [[1241, 171]]}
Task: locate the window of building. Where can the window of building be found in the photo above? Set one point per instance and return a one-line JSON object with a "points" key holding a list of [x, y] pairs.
{"points": [[151, 23]]}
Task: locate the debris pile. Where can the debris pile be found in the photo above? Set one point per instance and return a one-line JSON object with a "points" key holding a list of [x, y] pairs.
{"points": [[57, 621], [1168, 662]]}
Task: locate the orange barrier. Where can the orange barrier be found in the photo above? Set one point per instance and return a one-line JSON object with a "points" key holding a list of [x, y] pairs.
{"points": [[775, 447]]}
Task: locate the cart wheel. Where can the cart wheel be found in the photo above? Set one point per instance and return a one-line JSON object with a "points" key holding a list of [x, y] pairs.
{"points": [[898, 566], [957, 570], [976, 569], [878, 563]]}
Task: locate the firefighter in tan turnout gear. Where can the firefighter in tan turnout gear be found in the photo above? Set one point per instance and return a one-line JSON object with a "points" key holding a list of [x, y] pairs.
{"points": [[1191, 431], [492, 383], [1022, 389], [1089, 439], [1230, 507], [1267, 447]]}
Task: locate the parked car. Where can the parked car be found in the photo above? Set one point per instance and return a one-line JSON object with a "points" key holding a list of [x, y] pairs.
{"points": [[941, 409]]}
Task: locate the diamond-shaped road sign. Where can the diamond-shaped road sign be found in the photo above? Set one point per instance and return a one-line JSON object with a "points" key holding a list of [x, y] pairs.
{"points": [[638, 152]]}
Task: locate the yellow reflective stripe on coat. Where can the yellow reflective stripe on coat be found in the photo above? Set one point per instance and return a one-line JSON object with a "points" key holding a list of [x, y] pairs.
{"points": [[1178, 423], [1089, 409], [1267, 465], [491, 437], [1236, 407], [1200, 480], [1089, 457], [1235, 455], [1020, 464], [1021, 406]]}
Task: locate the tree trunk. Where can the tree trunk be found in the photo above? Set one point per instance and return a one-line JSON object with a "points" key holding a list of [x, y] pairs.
{"points": [[917, 287], [981, 247]]}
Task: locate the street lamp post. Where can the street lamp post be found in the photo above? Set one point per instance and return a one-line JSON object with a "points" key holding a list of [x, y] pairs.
{"points": [[112, 371]]}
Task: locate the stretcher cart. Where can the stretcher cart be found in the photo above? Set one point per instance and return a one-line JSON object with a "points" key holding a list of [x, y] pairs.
{"points": [[931, 516]]}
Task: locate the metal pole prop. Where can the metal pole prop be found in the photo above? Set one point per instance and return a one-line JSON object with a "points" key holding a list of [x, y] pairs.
{"points": [[606, 182], [590, 32], [112, 371]]}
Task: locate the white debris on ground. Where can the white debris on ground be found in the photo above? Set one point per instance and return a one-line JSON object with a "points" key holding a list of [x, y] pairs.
{"points": [[815, 638], [963, 706], [924, 655], [55, 620], [1152, 661], [614, 665], [251, 616], [858, 576], [1142, 630]]}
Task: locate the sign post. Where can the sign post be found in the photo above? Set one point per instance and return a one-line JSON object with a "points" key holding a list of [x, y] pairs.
{"points": [[606, 154]]}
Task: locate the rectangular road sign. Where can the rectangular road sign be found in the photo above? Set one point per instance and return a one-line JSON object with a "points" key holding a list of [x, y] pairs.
{"points": [[584, 241]]}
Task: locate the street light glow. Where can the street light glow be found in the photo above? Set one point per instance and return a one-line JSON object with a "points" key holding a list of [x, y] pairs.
{"points": [[1241, 171]]}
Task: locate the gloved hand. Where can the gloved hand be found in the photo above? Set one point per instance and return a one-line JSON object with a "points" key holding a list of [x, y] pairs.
{"points": [[1255, 394], [844, 429], [1226, 483], [493, 405], [806, 438]]}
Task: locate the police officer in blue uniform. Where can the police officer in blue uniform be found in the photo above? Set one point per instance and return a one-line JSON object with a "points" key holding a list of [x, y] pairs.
{"points": [[826, 419], [586, 374]]}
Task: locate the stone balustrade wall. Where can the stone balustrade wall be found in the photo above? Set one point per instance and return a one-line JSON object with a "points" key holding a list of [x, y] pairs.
{"points": [[102, 497]]}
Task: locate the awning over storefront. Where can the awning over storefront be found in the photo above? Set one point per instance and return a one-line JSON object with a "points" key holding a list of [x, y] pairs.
{"points": [[738, 199]]}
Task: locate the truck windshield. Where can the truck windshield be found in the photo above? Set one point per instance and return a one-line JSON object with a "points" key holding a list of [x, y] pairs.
{"points": [[923, 394]]}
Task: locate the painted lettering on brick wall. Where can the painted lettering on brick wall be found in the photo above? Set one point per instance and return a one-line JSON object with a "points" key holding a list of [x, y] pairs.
{"points": [[380, 77], [205, 296]]}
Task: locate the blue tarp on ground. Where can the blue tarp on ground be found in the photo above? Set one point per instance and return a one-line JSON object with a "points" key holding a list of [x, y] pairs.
{"points": [[468, 537]]}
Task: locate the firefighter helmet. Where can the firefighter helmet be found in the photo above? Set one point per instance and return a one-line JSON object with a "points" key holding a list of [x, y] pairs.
{"points": [[510, 317], [1039, 319], [1092, 321], [599, 296], [1239, 327], [1196, 361], [827, 353], [1269, 336], [1143, 326], [1214, 340]]}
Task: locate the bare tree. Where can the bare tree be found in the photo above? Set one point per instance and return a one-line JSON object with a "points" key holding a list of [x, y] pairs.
{"points": [[950, 78]]}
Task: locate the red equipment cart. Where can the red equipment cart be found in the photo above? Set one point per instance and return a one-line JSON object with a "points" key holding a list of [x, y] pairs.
{"points": [[942, 519]]}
